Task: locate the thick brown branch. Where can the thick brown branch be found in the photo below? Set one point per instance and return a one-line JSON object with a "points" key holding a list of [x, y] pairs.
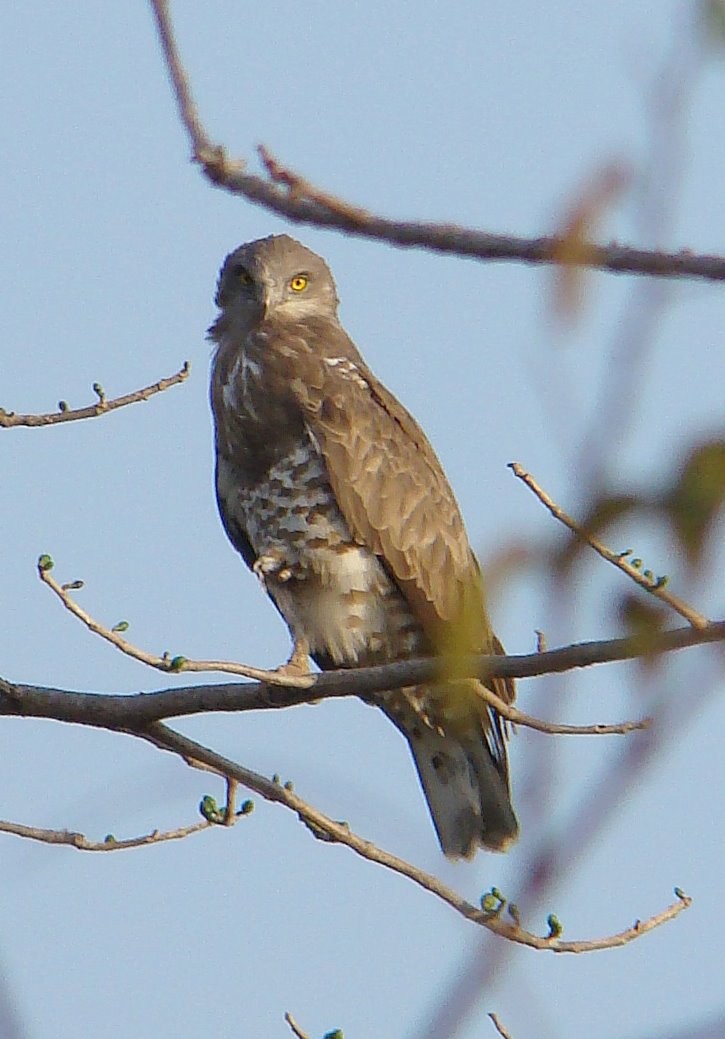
{"points": [[290, 195], [101, 407], [654, 588], [132, 711]]}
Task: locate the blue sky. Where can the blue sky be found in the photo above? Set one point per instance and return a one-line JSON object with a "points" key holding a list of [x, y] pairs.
{"points": [[492, 115]]}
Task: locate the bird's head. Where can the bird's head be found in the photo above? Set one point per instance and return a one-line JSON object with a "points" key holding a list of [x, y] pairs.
{"points": [[276, 277]]}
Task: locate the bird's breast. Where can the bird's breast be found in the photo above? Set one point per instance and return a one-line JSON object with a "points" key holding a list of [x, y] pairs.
{"points": [[331, 590]]}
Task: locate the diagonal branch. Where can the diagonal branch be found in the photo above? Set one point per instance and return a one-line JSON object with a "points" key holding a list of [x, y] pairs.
{"points": [[101, 407], [328, 829], [292, 196], [165, 662], [655, 587]]}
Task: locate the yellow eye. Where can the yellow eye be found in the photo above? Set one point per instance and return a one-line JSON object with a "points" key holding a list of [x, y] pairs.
{"points": [[299, 283]]}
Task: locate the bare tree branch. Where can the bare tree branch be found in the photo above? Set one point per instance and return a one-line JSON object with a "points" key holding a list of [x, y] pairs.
{"points": [[327, 829], [290, 195], [655, 587], [213, 816], [280, 678], [102, 407], [82, 843], [165, 662], [120, 712], [322, 827]]}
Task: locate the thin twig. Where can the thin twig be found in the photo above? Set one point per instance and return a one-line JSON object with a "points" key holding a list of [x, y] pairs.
{"points": [[499, 1027], [322, 826], [101, 407], [658, 590], [290, 195], [82, 843], [297, 1031], [165, 662]]}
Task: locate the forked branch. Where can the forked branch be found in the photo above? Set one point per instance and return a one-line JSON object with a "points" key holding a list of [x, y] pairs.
{"points": [[322, 827]]}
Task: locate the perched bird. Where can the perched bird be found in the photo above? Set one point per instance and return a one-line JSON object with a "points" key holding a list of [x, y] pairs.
{"points": [[332, 494]]}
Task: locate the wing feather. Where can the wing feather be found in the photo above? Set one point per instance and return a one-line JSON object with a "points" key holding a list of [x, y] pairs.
{"points": [[392, 491]]}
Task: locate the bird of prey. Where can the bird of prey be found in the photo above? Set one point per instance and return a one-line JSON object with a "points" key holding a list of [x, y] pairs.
{"points": [[332, 494]]}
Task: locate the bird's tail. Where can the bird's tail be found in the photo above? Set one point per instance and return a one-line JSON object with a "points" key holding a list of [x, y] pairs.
{"points": [[461, 762]]}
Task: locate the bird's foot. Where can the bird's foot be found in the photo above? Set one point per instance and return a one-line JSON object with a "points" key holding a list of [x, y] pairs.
{"points": [[272, 564], [299, 662]]}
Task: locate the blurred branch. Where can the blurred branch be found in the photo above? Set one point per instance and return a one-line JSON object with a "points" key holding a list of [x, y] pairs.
{"points": [[101, 407], [655, 587], [326, 829], [499, 1027], [287, 193]]}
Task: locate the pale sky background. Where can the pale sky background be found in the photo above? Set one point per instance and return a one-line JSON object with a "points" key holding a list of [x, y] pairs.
{"points": [[488, 114]]}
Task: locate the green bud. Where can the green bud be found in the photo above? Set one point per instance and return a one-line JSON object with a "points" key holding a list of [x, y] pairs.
{"points": [[637, 564], [210, 809], [289, 786], [492, 902], [109, 839], [121, 626], [246, 808], [45, 562], [177, 663], [63, 405], [555, 926]]}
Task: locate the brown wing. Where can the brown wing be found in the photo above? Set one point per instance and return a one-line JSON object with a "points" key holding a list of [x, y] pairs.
{"points": [[394, 495]]}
